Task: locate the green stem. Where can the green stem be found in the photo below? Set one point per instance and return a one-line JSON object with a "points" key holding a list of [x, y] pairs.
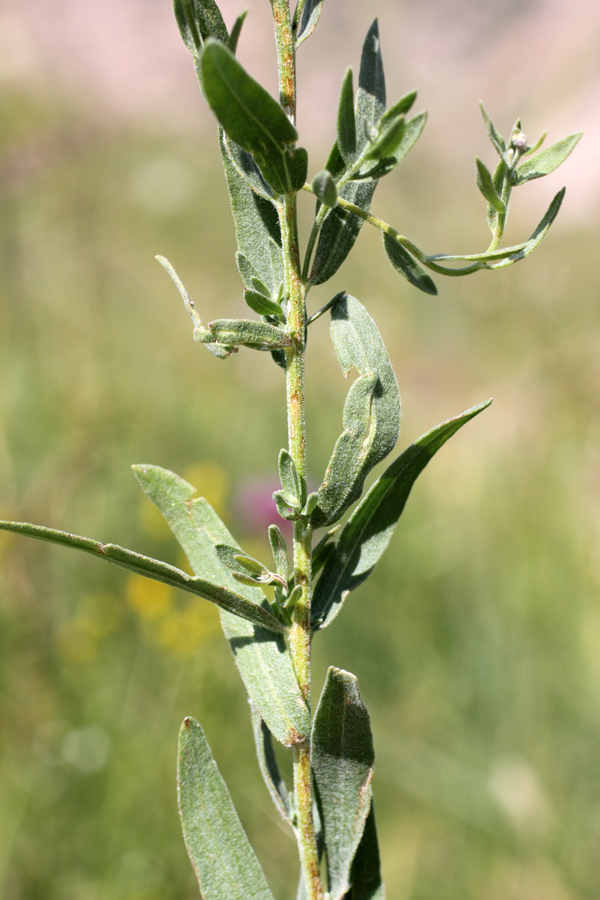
{"points": [[295, 290]]}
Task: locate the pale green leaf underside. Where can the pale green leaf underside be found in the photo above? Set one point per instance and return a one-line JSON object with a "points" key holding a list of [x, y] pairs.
{"points": [[269, 769], [342, 763], [155, 569], [262, 657], [368, 531], [371, 411], [365, 874], [224, 862]]}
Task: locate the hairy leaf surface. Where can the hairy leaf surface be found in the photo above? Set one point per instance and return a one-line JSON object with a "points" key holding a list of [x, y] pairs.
{"points": [[368, 531], [261, 656], [155, 569], [342, 762], [224, 862], [371, 411]]}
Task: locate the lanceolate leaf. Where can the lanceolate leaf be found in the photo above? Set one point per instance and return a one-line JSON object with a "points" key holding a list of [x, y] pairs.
{"points": [[486, 186], [406, 265], [368, 531], [538, 235], [371, 411], [269, 769], [254, 214], [252, 118], [309, 20], [342, 763], [199, 19], [546, 161], [370, 97], [339, 232], [261, 656], [346, 122], [155, 569], [224, 862], [365, 874], [493, 134]]}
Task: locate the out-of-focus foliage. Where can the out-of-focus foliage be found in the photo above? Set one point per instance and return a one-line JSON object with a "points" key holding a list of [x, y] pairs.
{"points": [[483, 697]]}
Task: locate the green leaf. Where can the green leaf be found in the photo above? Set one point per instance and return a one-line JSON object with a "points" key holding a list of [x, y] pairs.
{"points": [[279, 550], [342, 762], [236, 31], [407, 266], [252, 118], [262, 658], [387, 141], [255, 217], [368, 531], [198, 20], [400, 107], [154, 569], [311, 14], [262, 305], [245, 568], [294, 487], [339, 232], [269, 769], [346, 122], [231, 333], [371, 411], [365, 874], [547, 161], [493, 134], [370, 97], [224, 862], [538, 235], [413, 129], [485, 183], [324, 187]]}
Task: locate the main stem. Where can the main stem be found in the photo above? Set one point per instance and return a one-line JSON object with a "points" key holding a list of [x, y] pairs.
{"points": [[295, 289]]}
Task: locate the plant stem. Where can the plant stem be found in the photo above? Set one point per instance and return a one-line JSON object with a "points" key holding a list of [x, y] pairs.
{"points": [[295, 290]]}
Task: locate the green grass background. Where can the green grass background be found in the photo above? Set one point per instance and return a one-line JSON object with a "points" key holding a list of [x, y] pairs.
{"points": [[477, 640]]}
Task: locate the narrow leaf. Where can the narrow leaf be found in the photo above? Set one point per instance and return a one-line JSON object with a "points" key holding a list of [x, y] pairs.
{"points": [[346, 123], [493, 134], [243, 567], [261, 305], [538, 235], [293, 485], [224, 862], [254, 214], [154, 569], [342, 763], [268, 767], [279, 550], [262, 657], [387, 141], [371, 411], [368, 531], [340, 231], [485, 184], [412, 132], [311, 14], [546, 161], [365, 874], [231, 333], [250, 116], [407, 266], [370, 97], [236, 31], [198, 20], [400, 107]]}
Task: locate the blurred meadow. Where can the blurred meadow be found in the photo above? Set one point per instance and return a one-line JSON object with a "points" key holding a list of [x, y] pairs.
{"points": [[477, 641]]}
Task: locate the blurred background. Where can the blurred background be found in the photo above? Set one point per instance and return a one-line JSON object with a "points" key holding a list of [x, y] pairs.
{"points": [[477, 641]]}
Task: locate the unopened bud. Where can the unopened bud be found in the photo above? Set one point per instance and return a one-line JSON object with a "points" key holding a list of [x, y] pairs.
{"points": [[519, 141]]}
